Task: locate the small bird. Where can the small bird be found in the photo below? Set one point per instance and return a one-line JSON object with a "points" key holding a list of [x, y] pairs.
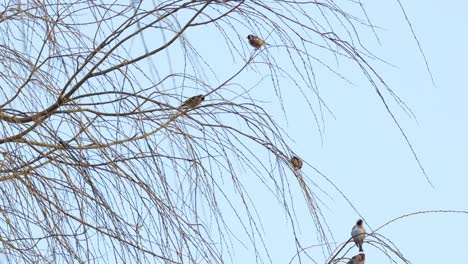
{"points": [[193, 101], [359, 234], [296, 162], [358, 259], [255, 41]]}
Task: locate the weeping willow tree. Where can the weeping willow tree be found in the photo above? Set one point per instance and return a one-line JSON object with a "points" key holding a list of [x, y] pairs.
{"points": [[101, 164]]}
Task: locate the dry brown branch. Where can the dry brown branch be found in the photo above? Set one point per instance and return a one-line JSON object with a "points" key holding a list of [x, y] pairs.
{"points": [[100, 164]]}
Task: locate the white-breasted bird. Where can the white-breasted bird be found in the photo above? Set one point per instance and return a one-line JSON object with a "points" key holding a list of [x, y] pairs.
{"points": [[296, 162], [193, 101], [359, 234], [358, 259], [255, 41]]}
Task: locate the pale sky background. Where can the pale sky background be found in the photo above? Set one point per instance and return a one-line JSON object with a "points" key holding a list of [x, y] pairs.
{"points": [[364, 147], [366, 156], [362, 150]]}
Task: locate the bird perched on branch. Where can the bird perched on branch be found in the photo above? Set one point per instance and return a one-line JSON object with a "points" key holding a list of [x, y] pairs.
{"points": [[193, 101], [296, 162], [255, 41], [359, 234], [358, 259]]}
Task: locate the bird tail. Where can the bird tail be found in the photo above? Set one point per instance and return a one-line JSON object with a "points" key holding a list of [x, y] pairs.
{"points": [[360, 248]]}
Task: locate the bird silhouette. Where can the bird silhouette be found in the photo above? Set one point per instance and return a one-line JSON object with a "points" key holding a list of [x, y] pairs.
{"points": [[193, 102], [359, 234], [358, 259], [296, 162], [255, 41]]}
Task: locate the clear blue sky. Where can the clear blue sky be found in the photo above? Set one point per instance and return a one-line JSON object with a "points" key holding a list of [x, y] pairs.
{"points": [[366, 156], [361, 150], [363, 146]]}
